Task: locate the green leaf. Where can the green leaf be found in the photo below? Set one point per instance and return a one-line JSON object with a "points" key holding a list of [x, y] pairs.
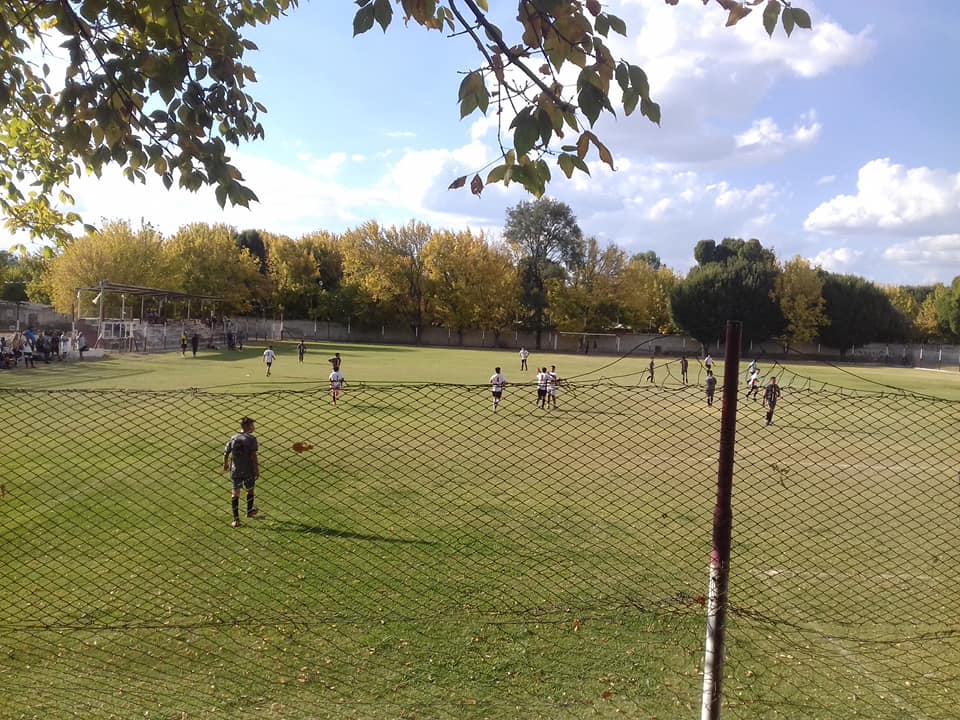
{"points": [[566, 163], [363, 20], [630, 99], [650, 109], [617, 25], [771, 13], [788, 20], [802, 18], [590, 99], [497, 174], [622, 75], [527, 132], [601, 25], [468, 86], [638, 78], [383, 13]]}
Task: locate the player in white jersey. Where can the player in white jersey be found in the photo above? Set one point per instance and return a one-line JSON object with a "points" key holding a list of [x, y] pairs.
{"points": [[336, 385], [497, 381]]}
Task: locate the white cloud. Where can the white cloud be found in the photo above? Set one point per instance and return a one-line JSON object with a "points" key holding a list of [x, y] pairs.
{"points": [[933, 251], [709, 78], [894, 199], [764, 139], [659, 209], [826, 179], [839, 260], [727, 197]]}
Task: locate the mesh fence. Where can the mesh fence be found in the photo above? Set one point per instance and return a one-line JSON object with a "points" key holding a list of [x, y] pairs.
{"points": [[418, 555]]}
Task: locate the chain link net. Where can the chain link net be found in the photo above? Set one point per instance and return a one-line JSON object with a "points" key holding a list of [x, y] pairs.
{"points": [[419, 555]]}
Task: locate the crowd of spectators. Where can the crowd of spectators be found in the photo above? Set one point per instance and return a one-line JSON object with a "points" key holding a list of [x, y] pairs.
{"points": [[26, 348]]}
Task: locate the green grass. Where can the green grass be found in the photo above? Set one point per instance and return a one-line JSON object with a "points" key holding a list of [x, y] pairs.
{"points": [[427, 558]]}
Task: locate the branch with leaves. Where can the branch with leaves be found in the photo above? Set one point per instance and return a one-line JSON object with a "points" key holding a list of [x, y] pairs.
{"points": [[554, 35], [160, 86]]}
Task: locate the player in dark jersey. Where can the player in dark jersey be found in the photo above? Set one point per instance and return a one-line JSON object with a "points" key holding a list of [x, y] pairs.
{"points": [[241, 459], [770, 396]]}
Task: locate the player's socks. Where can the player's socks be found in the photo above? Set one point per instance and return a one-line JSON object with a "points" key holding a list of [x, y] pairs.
{"points": [[235, 502], [249, 502]]}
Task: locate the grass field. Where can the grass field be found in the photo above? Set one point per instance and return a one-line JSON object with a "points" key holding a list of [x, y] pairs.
{"points": [[427, 558]]}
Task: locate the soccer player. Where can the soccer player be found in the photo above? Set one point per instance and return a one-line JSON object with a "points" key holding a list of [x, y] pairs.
{"points": [[650, 371], [553, 381], [497, 381], [241, 459], [524, 354], [301, 349], [708, 362], [684, 367], [770, 396], [754, 383], [183, 344], [335, 362], [711, 387], [542, 380], [268, 357], [336, 384]]}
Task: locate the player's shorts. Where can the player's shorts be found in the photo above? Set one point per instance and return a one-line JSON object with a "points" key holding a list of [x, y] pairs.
{"points": [[243, 482], [541, 392], [498, 394]]}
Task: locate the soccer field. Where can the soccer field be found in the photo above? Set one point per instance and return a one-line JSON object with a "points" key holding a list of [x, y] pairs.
{"points": [[421, 556]]}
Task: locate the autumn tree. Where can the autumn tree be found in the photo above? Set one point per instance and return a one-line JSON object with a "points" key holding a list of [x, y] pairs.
{"points": [[388, 265], [928, 324], [292, 274], [904, 301], [799, 290], [329, 300], [162, 88], [948, 309], [644, 295], [548, 245], [116, 252], [205, 260], [590, 302], [473, 284]]}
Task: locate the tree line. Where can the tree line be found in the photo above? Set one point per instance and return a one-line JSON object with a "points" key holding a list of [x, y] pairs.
{"points": [[542, 275]]}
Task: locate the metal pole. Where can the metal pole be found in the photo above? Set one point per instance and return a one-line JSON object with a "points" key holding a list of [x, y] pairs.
{"points": [[722, 524]]}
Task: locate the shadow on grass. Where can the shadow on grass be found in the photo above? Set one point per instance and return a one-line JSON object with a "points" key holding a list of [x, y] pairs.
{"points": [[291, 526], [74, 374]]}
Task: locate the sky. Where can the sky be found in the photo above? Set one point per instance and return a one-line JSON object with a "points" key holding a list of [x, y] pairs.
{"points": [[836, 144]]}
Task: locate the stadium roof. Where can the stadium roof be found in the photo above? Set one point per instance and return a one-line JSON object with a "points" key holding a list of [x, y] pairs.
{"points": [[118, 288]]}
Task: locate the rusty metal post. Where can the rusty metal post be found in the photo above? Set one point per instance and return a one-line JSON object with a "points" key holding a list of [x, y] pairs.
{"points": [[722, 524]]}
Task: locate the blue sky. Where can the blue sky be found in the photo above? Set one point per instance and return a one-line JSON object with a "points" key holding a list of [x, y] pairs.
{"points": [[836, 144]]}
